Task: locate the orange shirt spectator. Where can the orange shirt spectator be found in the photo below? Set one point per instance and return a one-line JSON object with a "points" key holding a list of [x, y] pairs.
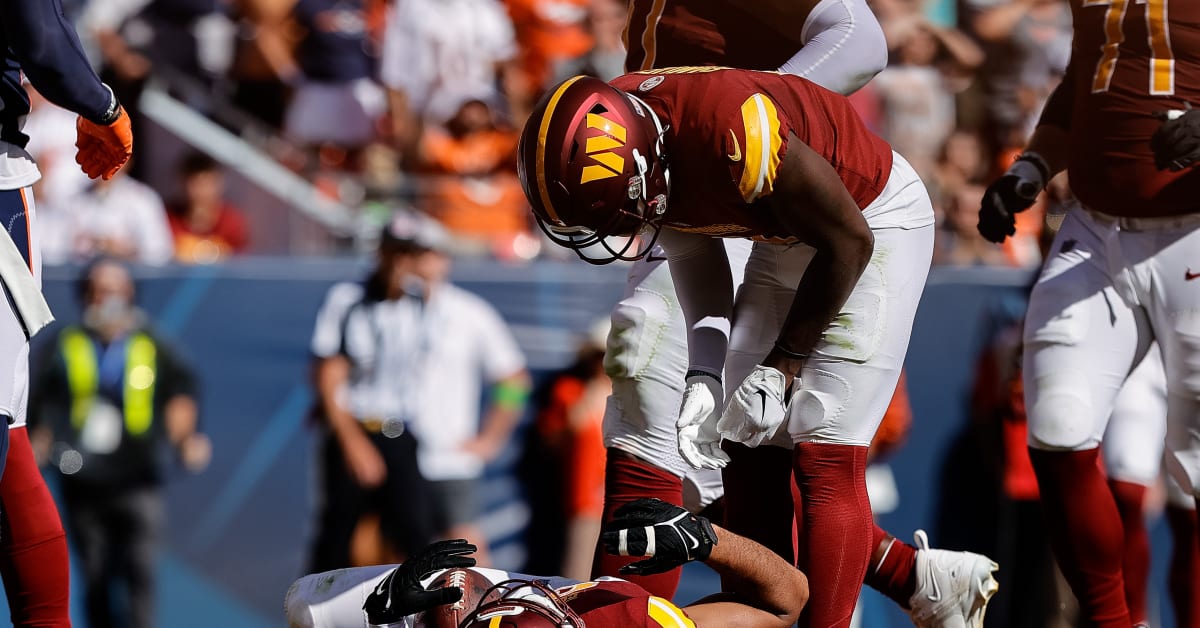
{"points": [[897, 420], [479, 196], [575, 416], [549, 32]]}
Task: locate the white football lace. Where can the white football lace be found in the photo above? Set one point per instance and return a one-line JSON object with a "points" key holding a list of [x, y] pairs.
{"points": [[458, 578]]}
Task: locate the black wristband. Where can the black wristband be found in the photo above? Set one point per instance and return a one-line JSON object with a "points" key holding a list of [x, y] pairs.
{"points": [[114, 109], [788, 353], [695, 372], [1038, 162]]}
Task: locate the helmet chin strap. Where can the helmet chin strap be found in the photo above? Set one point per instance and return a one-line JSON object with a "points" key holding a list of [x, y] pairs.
{"points": [[658, 141]]}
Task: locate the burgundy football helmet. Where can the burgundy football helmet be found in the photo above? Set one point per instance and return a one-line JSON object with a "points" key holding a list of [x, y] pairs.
{"points": [[592, 164], [522, 604]]}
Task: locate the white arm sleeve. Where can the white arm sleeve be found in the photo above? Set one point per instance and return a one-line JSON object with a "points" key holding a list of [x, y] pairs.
{"points": [[700, 271], [843, 46], [334, 599]]}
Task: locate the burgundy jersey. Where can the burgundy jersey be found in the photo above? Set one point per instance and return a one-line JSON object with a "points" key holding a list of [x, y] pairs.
{"points": [[727, 133], [1130, 59], [668, 33], [622, 604]]}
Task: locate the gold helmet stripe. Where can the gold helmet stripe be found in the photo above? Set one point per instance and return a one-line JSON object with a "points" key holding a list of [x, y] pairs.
{"points": [[544, 128]]}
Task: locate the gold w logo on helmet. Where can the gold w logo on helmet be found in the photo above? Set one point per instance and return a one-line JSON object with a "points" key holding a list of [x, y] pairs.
{"points": [[600, 147]]}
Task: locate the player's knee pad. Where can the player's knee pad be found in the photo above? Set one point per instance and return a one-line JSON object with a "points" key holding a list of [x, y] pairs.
{"points": [[1184, 468], [1182, 460], [1060, 412], [1176, 495], [640, 419], [817, 412]]}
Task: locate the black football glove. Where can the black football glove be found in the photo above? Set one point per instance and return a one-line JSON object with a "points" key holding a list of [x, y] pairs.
{"points": [[669, 535], [400, 594], [1176, 144], [1011, 194]]}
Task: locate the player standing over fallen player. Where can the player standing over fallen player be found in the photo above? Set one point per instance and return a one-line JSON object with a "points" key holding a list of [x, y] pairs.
{"points": [[1121, 273], [717, 152], [837, 44], [37, 41]]}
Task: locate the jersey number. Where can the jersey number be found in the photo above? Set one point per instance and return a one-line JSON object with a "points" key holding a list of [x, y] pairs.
{"points": [[1162, 61]]}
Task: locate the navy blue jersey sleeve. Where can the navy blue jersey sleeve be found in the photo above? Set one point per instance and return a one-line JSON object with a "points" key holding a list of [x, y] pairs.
{"points": [[48, 49]]}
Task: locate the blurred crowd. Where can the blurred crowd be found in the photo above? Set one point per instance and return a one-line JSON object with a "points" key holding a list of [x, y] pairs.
{"points": [[417, 103]]}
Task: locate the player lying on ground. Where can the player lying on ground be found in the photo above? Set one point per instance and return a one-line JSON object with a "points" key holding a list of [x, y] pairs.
{"points": [[844, 234], [440, 586]]}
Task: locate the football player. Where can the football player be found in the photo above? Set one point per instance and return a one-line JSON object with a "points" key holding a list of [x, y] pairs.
{"points": [[1133, 452], [1120, 273], [766, 592], [839, 45], [841, 221], [37, 41]]}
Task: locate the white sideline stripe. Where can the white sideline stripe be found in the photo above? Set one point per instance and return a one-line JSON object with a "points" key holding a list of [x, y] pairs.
{"points": [[213, 139]]}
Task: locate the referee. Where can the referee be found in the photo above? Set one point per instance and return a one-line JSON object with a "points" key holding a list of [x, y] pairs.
{"points": [[402, 360]]}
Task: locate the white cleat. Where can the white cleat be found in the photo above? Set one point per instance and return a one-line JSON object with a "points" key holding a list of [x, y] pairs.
{"points": [[953, 588]]}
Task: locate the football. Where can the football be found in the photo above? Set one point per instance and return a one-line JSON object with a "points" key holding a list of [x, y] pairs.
{"points": [[473, 584]]}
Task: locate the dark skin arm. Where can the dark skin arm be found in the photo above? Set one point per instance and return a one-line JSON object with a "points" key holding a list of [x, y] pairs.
{"points": [[813, 204], [764, 591], [1051, 137]]}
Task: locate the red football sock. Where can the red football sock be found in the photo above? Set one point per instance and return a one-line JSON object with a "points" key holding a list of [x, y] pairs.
{"points": [[894, 574], [33, 547], [1131, 501], [758, 496], [1085, 531], [836, 547], [1185, 566], [627, 478]]}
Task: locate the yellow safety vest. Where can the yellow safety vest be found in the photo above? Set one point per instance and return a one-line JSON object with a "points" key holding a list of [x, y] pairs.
{"points": [[83, 378]]}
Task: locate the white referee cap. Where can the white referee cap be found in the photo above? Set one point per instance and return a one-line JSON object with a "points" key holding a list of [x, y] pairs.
{"points": [[416, 230]]}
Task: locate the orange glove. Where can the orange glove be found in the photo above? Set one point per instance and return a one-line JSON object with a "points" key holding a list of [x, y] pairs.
{"points": [[104, 148]]}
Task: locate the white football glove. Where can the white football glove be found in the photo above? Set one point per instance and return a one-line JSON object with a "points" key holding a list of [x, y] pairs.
{"points": [[757, 408], [699, 440]]}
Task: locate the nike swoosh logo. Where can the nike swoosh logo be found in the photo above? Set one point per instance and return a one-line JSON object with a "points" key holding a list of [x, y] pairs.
{"points": [[694, 541], [1188, 275], [936, 596], [737, 148], [762, 420], [383, 585], [650, 257]]}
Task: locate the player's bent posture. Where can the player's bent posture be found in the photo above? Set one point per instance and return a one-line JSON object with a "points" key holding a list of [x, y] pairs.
{"points": [[36, 40], [823, 318], [839, 45], [1121, 273], [764, 591], [835, 43]]}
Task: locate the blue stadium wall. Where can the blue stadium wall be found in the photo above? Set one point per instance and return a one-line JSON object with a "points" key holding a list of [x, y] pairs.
{"points": [[238, 533]]}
